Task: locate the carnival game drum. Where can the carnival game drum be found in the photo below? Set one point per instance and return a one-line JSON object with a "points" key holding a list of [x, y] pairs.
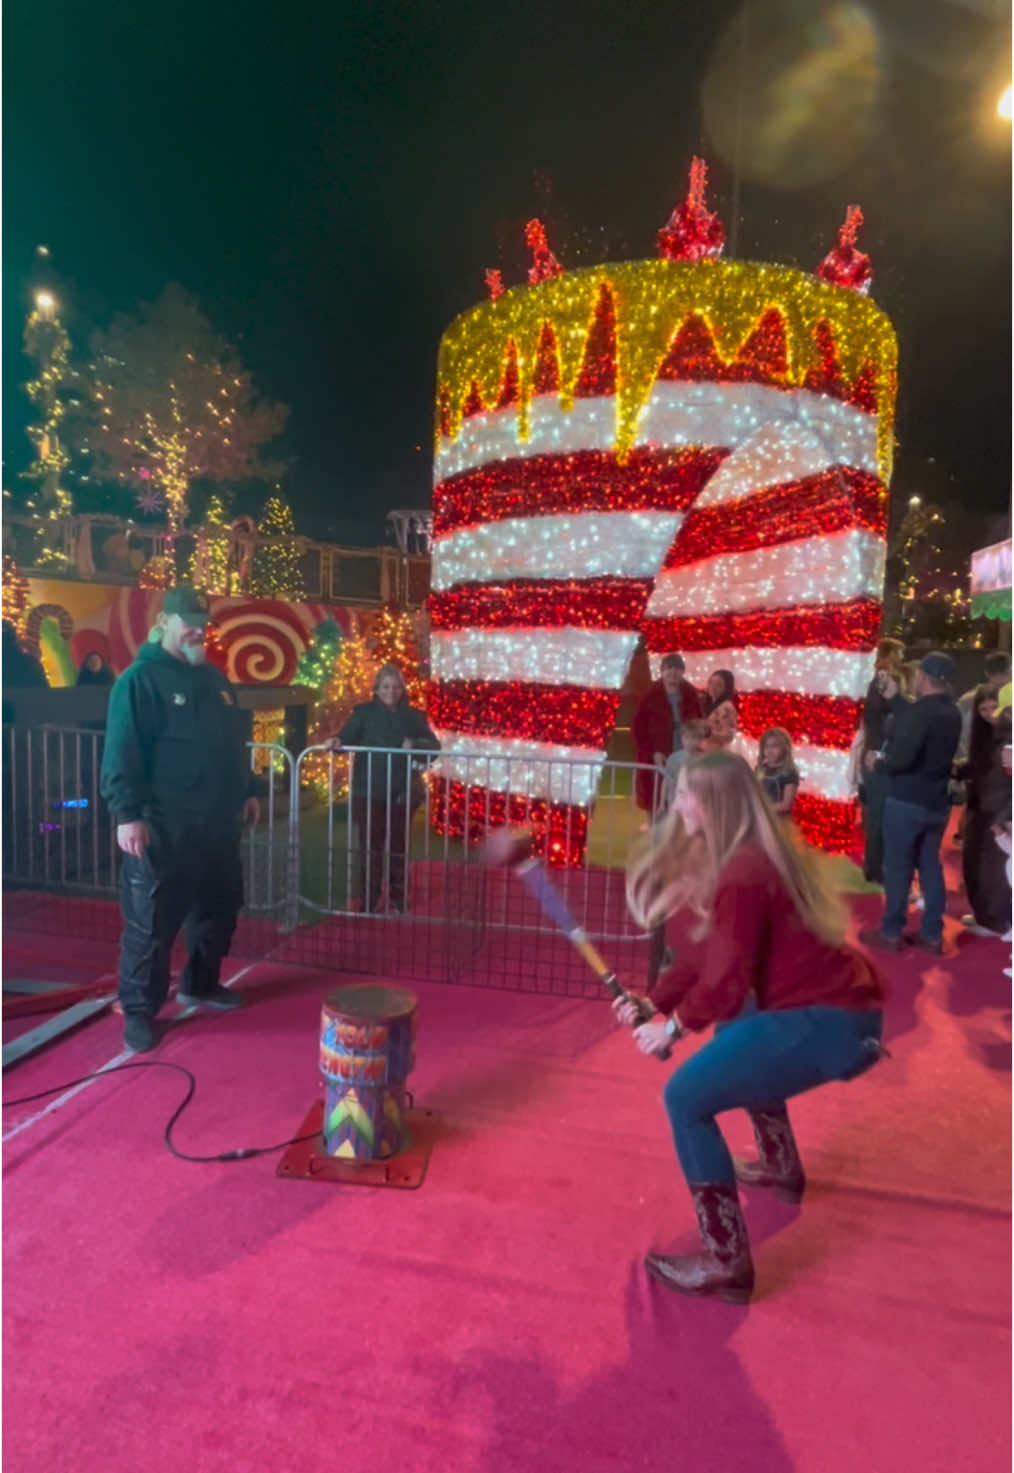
{"points": [[367, 1051]]}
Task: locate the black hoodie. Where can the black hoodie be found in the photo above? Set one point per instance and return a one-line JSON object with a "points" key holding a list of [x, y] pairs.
{"points": [[175, 744]]}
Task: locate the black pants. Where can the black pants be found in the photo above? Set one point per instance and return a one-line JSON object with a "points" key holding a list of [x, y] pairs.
{"points": [[191, 879], [382, 831], [984, 867], [874, 797]]}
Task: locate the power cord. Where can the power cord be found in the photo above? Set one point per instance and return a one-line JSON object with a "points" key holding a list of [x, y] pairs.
{"points": [[245, 1153]]}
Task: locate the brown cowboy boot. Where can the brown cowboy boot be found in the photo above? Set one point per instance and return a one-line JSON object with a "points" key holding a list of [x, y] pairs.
{"points": [[779, 1166], [725, 1269]]}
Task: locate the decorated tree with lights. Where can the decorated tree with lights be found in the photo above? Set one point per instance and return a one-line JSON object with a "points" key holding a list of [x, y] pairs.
{"points": [[926, 566], [51, 386], [394, 643], [317, 662], [172, 405], [348, 683], [209, 564], [275, 572]]}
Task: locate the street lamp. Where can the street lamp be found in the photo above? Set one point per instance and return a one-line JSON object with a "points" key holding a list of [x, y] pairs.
{"points": [[1003, 107]]}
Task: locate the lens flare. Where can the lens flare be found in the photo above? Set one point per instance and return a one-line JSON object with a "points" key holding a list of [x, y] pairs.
{"points": [[793, 103]]}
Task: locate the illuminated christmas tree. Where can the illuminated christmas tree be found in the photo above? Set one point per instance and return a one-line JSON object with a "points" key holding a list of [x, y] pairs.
{"points": [[275, 572], [209, 565], [47, 344], [172, 405], [348, 684], [926, 564], [317, 662], [15, 594], [395, 643]]}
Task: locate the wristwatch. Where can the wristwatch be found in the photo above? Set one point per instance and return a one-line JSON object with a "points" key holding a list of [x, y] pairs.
{"points": [[674, 1027]]}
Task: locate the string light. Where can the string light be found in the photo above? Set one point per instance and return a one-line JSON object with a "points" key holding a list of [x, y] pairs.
{"points": [[692, 450], [275, 572], [595, 603], [550, 657], [209, 563], [588, 480], [561, 714], [845, 626], [394, 643], [617, 544], [831, 502], [816, 570], [830, 335], [15, 594], [348, 682], [559, 831], [47, 343]]}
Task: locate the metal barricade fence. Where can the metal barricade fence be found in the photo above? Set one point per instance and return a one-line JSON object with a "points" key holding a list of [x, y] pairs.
{"points": [[365, 860]]}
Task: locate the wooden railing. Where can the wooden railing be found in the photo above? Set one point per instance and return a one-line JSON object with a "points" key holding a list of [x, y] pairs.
{"points": [[108, 549]]}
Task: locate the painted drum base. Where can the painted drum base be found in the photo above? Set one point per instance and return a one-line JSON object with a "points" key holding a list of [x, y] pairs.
{"points": [[308, 1160], [367, 1039]]}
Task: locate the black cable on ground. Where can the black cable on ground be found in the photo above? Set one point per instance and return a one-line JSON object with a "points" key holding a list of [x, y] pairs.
{"points": [[244, 1153]]}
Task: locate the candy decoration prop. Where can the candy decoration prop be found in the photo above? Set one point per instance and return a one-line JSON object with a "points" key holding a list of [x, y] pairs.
{"points": [[697, 452]]}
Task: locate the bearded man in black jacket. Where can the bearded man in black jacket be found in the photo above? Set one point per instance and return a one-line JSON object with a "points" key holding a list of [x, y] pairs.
{"points": [[177, 779]]}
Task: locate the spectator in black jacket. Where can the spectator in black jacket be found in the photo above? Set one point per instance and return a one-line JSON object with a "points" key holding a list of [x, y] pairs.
{"points": [[386, 786], [889, 665], [984, 865], [918, 763], [21, 671]]}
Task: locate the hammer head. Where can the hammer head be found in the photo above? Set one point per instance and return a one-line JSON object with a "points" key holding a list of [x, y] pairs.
{"points": [[507, 847]]}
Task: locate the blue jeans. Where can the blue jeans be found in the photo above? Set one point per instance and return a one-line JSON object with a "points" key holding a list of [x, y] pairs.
{"points": [[756, 1063], [912, 839]]}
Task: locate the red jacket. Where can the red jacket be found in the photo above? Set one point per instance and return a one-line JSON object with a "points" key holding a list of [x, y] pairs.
{"points": [[652, 730], [757, 943]]}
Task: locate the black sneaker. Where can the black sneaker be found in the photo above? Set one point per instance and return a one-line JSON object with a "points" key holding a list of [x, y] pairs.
{"points": [[216, 997], [140, 1034]]}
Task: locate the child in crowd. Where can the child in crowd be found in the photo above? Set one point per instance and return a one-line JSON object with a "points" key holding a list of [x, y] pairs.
{"points": [[724, 736], [695, 736], [776, 770]]}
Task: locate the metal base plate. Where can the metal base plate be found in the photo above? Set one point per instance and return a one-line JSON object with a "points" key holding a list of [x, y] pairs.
{"points": [[309, 1160]]}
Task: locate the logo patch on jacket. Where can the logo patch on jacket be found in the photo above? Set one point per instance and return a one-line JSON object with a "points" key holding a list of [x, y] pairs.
{"points": [[179, 699]]}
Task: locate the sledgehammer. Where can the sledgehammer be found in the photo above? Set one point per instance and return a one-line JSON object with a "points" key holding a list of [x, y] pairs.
{"points": [[513, 848]]}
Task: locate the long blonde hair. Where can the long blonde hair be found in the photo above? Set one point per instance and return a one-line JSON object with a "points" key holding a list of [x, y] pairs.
{"points": [[673, 870]]}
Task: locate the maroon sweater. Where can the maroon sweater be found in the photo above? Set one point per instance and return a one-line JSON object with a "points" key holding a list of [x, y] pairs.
{"points": [[757, 943]]}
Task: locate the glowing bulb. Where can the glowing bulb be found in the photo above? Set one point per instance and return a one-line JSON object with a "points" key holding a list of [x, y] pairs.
{"points": [[45, 302], [1003, 107]]}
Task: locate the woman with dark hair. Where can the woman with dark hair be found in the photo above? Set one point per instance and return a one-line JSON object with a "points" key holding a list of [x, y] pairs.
{"points": [[386, 787], [94, 670], [984, 865], [766, 962], [721, 687]]}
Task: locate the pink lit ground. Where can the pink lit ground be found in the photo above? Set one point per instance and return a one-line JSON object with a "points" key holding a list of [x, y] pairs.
{"points": [[163, 1316]]}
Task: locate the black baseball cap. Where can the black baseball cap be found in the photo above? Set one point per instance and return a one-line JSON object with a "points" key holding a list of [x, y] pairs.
{"points": [[193, 607], [937, 666]]}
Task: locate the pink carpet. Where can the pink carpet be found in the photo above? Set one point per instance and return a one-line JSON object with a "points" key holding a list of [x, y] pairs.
{"points": [[163, 1316]]}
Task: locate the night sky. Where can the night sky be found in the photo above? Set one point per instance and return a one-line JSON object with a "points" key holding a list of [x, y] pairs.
{"points": [[331, 181]]}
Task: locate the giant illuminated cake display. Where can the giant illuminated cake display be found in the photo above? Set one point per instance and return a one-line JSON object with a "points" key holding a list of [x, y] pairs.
{"points": [[687, 450]]}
